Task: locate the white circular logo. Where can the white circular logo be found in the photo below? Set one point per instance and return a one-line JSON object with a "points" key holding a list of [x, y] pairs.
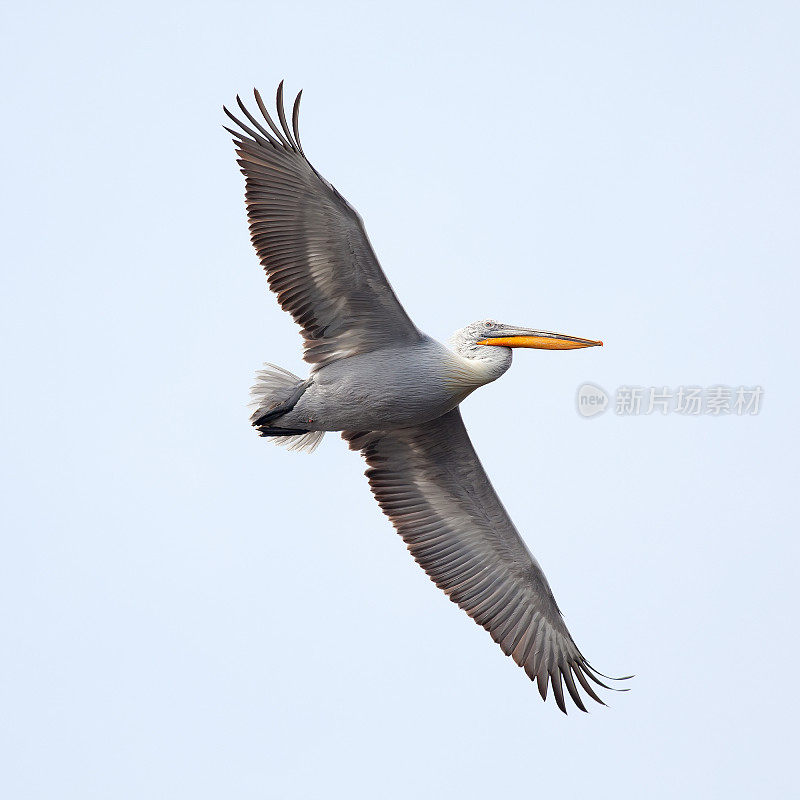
{"points": [[591, 400]]}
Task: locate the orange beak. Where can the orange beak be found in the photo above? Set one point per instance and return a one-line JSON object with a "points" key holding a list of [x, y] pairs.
{"points": [[543, 340]]}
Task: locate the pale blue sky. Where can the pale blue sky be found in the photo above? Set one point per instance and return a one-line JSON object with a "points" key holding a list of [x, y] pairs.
{"points": [[188, 611]]}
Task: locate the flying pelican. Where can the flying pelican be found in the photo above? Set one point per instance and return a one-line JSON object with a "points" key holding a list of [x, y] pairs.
{"points": [[394, 393]]}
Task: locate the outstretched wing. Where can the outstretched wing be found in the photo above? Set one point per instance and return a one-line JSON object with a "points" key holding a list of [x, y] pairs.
{"points": [[429, 482], [313, 245]]}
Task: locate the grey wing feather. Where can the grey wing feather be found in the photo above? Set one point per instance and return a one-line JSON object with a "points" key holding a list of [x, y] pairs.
{"points": [[429, 482], [313, 246]]}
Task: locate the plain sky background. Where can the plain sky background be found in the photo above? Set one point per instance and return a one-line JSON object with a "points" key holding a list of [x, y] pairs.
{"points": [[188, 611]]}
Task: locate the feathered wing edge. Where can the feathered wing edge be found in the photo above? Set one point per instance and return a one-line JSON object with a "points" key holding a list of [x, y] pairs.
{"points": [[286, 138]]}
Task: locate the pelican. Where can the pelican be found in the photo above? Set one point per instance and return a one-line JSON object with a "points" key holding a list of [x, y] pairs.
{"points": [[394, 393]]}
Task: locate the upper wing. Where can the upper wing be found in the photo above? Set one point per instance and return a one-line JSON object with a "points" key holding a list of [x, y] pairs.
{"points": [[429, 482], [313, 245]]}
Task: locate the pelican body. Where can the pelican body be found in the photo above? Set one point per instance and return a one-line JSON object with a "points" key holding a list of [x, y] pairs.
{"points": [[398, 386], [413, 388], [393, 392]]}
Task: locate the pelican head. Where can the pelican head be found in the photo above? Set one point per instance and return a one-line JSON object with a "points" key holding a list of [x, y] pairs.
{"points": [[473, 340]]}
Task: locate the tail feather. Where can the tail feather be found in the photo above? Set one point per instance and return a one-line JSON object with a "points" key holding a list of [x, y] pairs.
{"points": [[301, 442], [276, 392]]}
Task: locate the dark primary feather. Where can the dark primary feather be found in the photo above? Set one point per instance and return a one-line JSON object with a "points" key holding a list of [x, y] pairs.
{"points": [[429, 482], [312, 244]]}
